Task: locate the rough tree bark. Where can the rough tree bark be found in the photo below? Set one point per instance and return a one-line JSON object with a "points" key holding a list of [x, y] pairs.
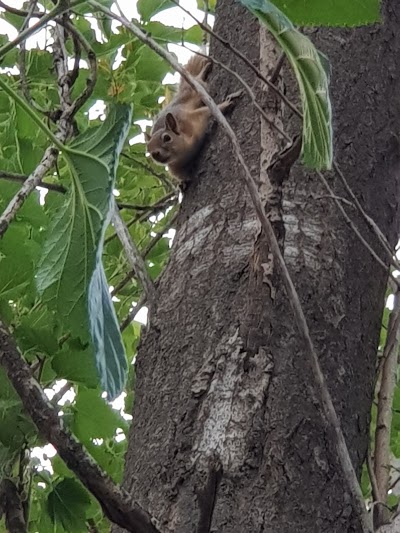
{"points": [[227, 431]]}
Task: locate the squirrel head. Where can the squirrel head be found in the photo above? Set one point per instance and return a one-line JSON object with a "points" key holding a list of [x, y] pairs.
{"points": [[168, 144]]}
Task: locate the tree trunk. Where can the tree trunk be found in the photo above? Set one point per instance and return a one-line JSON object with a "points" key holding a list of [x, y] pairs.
{"points": [[227, 432]]}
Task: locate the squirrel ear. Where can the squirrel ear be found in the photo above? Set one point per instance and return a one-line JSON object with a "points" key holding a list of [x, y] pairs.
{"points": [[171, 123], [147, 137]]}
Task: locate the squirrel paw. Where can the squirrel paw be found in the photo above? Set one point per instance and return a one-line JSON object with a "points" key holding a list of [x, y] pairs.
{"points": [[230, 100], [234, 96]]}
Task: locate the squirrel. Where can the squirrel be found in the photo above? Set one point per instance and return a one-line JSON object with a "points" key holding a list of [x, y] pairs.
{"points": [[179, 130]]}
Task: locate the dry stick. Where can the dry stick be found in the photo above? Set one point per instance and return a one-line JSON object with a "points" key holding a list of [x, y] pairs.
{"points": [[161, 176], [385, 402], [145, 252], [370, 222], [372, 478], [239, 54], [326, 400], [20, 12], [133, 255], [21, 178], [131, 316], [250, 92], [22, 58], [167, 201], [29, 185], [91, 57], [117, 504], [13, 508], [353, 226], [59, 9]]}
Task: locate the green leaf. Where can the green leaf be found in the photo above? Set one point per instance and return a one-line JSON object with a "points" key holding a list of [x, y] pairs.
{"points": [[67, 504], [332, 13], [70, 268], [76, 365], [312, 73], [149, 8], [211, 5], [94, 417]]}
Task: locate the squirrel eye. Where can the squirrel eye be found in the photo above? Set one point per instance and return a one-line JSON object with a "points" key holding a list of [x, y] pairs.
{"points": [[166, 138]]}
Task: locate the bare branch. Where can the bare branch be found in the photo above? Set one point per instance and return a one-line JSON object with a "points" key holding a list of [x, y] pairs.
{"points": [[241, 56], [91, 57], [29, 185], [131, 316], [146, 251], [354, 227], [325, 398], [21, 178], [58, 396], [167, 201], [12, 507], [385, 401], [132, 253], [117, 504], [59, 9], [250, 92], [160, 175], [20, 12]]}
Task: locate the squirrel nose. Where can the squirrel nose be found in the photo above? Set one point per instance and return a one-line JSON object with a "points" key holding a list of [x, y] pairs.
{"points": [[156, 154]]}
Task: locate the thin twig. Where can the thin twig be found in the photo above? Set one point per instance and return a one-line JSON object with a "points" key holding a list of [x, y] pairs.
{"points": [[117, 504], [385, 401], [132, 253], [131, 316], [325, 397], [160, 175], [29, 185], [21, 178], [58, 396], [59, 9], [145, 252], [239, 54], [168, 200], [372, 477], [370, 222], [250, 92], [354, 227], [20, 12], [91, 57]]}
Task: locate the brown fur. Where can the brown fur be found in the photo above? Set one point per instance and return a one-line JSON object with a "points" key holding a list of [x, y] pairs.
{"points": [[179, 129]]}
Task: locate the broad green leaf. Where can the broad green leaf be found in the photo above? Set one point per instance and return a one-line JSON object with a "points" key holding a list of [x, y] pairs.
{"points": [[70, 268], [95, 418], [76, 365], [331, 13], [149, 8], [312, 73], [67, 505]]}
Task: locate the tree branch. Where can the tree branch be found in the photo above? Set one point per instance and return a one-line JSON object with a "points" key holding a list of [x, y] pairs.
{"points": [[21, 178], [325, 398], [385, 402], [12, 507], [29, 185], [133, 255], [145, 252], [117, 504]]}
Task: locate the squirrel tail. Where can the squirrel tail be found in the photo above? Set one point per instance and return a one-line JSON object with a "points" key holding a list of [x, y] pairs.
{"points": [[194, 66]]}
